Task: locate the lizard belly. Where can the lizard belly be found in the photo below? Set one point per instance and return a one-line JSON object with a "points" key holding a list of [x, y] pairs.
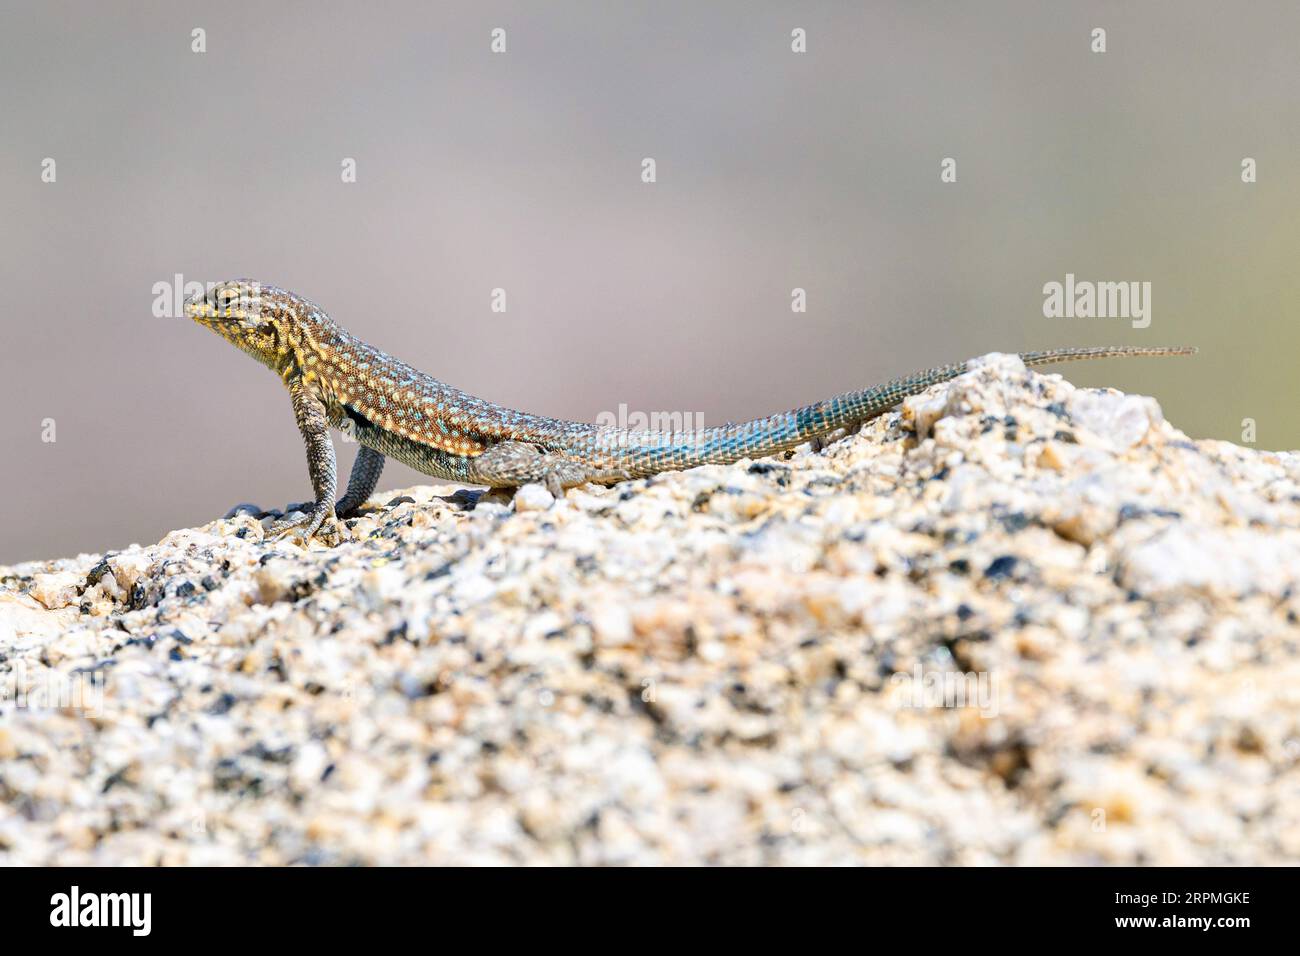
{"points": [[423, 458]]}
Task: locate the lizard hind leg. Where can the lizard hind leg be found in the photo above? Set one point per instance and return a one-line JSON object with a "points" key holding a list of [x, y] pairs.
{"points": [[367, 468], [510, 464]]}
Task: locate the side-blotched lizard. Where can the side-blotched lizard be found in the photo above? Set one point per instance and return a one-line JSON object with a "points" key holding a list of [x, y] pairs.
{"points": [[397, 411]]}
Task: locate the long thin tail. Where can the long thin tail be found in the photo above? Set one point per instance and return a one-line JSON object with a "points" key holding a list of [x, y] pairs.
{"points": [[647, 453]]}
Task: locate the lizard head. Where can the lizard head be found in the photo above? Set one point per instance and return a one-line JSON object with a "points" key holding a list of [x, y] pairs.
{"points": [[258, 319]]}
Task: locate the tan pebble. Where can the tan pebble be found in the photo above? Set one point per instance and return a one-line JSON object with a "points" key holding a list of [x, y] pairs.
{"points": [[57, 590], [1050, 457], [274, 581]]}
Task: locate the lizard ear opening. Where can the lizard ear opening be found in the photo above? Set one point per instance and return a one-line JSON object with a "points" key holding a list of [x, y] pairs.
{"points": [[268, 330]]}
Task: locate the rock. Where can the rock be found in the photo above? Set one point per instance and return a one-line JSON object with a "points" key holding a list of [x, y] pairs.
{"points": [[25, 623], [611, 621], [56, 590], [533, 498], [245, 508], [1017, 623], [1228, 562]]}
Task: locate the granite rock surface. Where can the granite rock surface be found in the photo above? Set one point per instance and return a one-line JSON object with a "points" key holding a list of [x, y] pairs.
{"points": [[1014, 622]]}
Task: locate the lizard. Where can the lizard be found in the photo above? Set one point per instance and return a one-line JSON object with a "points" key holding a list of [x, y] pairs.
{"points": [[335, 380]]}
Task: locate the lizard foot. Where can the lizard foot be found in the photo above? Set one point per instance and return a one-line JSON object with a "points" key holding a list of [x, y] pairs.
{"points": [[819, 443], [513, 463], [567, 474], [320, 522]]}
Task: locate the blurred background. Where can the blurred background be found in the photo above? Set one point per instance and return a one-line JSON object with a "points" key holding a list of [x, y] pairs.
{"points": [[522, 171]]}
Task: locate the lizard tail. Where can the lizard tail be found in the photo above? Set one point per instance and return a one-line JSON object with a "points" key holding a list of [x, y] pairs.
{"points": [[646, 453]]}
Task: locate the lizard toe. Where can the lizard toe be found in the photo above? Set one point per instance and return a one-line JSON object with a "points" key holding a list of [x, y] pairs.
{"points": [[285, 525], [318, 522]]}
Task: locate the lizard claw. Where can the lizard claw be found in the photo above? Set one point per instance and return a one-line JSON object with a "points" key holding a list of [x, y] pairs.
{"points": [[320, 522]]}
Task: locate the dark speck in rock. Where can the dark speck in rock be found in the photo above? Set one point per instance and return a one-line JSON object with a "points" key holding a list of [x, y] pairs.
{"points": [[400, 500], [113, 780], [964, 612], [261, 751], [1130, 512], [1001, 567], [464, 499], [960, 566], [1016, 521], [98, 571]]}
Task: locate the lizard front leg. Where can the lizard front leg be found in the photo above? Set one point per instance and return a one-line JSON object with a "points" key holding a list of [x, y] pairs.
{"points": [[361, 484], [314, 425], [513, 463]]}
